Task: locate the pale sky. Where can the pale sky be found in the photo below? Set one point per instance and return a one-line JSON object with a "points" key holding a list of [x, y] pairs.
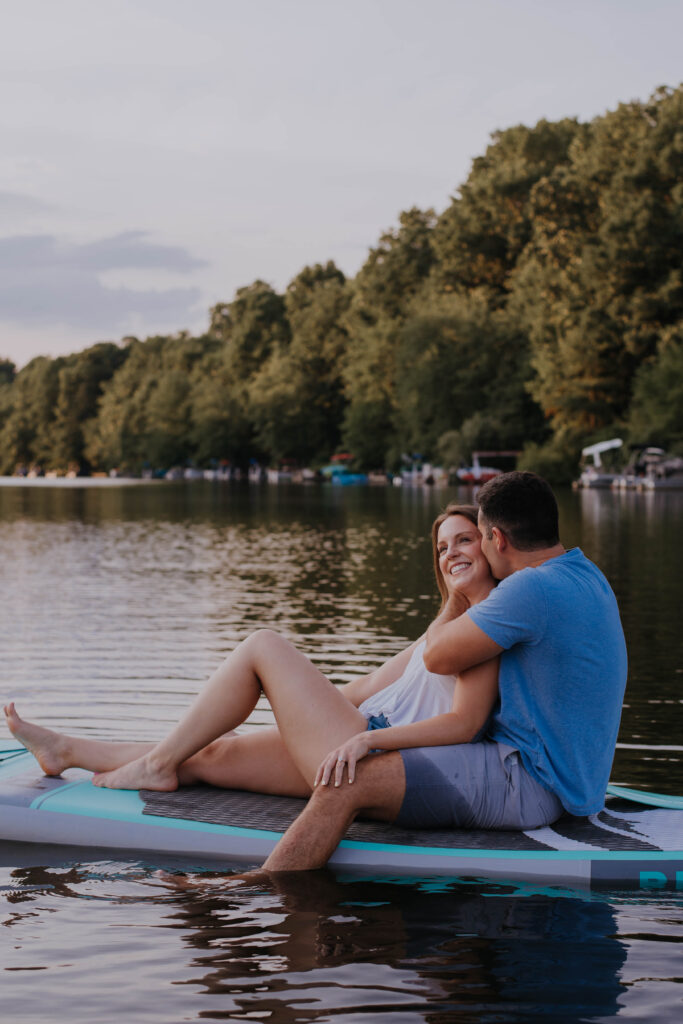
{"points": [[158, 154]]}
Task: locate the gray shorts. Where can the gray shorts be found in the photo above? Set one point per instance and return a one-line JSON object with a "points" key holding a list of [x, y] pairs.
{"points": [[473, 785]]}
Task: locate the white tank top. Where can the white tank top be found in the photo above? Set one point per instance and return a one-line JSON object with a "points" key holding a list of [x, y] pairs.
{"points": [[416, 695]]}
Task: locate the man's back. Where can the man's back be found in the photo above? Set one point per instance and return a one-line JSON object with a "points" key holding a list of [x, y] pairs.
{"points": [[562, 674]]}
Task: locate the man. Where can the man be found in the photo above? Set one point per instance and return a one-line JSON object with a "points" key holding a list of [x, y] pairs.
{"points": [[554, 622]]}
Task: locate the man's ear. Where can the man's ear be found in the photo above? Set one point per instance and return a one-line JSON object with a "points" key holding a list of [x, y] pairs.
{"points": [[499, 539]]}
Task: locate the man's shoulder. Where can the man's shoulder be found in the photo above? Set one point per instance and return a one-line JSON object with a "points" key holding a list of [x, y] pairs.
{"points": [[571, 569], [514, 610], [526, 580], [571, 560], [549, 581]]}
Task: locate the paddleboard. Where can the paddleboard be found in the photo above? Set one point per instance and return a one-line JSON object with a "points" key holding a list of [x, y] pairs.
{"points": [[625, 845]]}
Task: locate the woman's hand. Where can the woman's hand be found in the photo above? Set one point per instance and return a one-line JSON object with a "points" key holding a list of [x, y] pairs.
{"points": [[457, 603], [348, 754]]}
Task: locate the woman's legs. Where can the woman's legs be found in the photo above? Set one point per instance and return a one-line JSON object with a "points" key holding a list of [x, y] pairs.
{"points": [[55, 751], [256, 761], [311, 714]]}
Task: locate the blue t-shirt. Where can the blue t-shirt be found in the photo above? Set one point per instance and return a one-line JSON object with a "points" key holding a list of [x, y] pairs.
{"points": [[562, 674]]}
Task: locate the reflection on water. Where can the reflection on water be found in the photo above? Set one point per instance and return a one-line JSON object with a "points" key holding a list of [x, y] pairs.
{"points": [[314, 947], [114, 606]]}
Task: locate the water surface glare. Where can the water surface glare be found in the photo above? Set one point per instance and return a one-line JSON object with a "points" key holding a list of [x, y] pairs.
{"points": [[117, 602]]}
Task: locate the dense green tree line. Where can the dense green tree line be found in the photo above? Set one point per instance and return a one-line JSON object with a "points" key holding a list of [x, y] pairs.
{"points": [[542, 310]]}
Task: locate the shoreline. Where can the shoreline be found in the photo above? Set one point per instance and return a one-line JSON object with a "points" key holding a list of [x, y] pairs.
{"points": [[75, 482]]}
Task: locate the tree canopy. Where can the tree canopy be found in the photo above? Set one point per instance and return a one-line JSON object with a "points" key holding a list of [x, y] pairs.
{"points": [[542, 309]]}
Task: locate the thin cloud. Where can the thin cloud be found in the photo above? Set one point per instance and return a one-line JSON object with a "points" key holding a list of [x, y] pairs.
{"points": [[17, 204], [128, 249], [44, 281]]}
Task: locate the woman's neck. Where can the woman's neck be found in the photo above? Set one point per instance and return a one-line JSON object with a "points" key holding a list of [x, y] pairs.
{"points": [[481, 593]]}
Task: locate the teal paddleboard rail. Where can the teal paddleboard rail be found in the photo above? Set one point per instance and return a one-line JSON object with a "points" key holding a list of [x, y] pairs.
{"points": [[640, 796]]}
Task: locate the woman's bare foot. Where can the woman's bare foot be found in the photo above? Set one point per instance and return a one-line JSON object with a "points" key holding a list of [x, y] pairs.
{"points": [[139, 774], [50, 749]]}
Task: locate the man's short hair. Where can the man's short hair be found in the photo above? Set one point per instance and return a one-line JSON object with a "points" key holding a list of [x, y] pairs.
{"points": [[523, 506]]}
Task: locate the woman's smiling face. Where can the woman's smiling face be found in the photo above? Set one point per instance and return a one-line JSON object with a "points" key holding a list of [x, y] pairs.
{"points": [[461, 561]]}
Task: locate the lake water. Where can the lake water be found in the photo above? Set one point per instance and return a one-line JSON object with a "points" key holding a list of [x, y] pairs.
{"points": [[117, 602]]}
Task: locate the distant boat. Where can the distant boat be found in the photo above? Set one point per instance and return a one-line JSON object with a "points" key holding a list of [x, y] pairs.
{"points": [[651, 469], [478, 474], [278, 476], [594, 474], [337, 473]]}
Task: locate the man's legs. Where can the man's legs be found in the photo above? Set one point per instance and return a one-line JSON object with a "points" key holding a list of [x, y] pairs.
{"points": [[310, 841]]}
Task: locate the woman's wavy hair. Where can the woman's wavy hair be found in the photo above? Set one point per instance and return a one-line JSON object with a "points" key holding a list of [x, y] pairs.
{"points": [[453, 509]]}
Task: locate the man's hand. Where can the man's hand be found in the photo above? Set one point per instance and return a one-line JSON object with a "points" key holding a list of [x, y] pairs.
{"points": [[348, 754]]}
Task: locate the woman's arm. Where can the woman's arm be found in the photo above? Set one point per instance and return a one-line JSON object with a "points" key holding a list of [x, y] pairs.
{"points": [[475, 694], [360, 689]]}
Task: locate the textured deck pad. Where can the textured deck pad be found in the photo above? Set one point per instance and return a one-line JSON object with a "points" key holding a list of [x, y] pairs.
{"points": [[276, 813], [613, 829]]}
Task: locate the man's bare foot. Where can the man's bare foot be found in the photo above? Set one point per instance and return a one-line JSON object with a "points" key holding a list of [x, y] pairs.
{"points": [[139, 774], [50, 749]]}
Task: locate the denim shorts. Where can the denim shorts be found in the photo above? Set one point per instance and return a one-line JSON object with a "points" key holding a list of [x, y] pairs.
{"points": [[473, 785]]}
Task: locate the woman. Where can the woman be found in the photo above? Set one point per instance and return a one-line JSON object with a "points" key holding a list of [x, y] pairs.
{"points": [[320, 728]]}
